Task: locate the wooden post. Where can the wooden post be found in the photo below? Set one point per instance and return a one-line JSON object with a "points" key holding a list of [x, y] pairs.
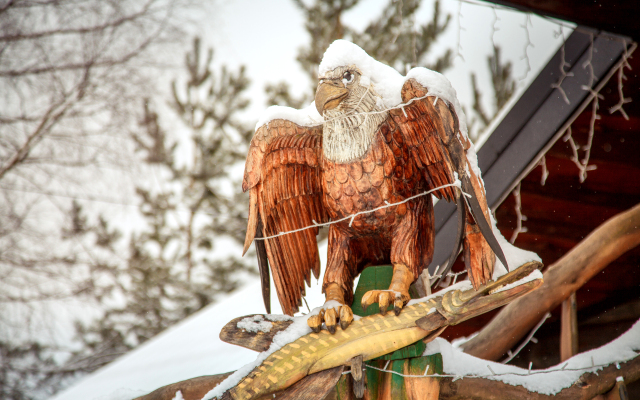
{"points": [[569, 328], [391, 384]]}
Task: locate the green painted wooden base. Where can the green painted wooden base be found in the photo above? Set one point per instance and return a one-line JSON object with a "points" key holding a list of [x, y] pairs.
{"points": [[391, 384], [379, 278]]}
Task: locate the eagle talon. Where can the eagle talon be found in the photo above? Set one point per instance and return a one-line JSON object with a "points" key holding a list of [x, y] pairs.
{"points": [[346, 317], [330, 320], [384, 298], [315, 321], [331, 317], [397, 306]]}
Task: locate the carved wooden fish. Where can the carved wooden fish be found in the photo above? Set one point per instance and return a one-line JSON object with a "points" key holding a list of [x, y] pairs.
{"points": [[375, 335]]}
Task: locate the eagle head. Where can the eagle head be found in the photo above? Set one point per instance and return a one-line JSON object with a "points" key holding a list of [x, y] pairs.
{"points": [[352, 110], [335, 86]]}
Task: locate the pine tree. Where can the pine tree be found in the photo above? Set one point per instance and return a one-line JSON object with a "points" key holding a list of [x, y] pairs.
{"points": [[503, 86], [169, 271], [393, 38], [396, 39]]}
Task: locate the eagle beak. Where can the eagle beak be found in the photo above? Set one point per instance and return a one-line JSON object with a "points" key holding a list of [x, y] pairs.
{"points": [[329, 94]]}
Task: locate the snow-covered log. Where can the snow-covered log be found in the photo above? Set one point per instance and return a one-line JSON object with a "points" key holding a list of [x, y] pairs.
{"points": [[589, 386]]}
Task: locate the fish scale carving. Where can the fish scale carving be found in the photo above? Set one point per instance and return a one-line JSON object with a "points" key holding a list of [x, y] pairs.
{"points": [[311, 353]]}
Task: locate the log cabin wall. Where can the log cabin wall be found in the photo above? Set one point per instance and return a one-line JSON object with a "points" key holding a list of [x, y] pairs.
{"points": [[564, 210]]}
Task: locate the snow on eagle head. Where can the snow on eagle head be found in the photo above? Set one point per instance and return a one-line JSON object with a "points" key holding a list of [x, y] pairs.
{"points": [[386, 80], [384, 86], [348, 100]]}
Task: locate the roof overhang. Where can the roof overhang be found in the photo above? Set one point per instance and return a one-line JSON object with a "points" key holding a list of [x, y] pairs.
{"points": [[619, 16]]}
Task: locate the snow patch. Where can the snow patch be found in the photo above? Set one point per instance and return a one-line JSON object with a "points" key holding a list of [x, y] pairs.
{"points": [[332, 304], [296, 330], [255, 324], [387, 81], [472, 157], [548, 381], [516, 257], [178, 396], [305, 117], [278, 317], [440, 87], [458, 342]]}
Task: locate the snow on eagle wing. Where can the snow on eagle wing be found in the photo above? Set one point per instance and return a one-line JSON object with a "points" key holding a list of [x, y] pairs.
{"points": [[430, 131], [283, 174]]}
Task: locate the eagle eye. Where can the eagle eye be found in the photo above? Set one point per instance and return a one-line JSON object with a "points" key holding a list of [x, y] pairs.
{"points": [[347, 76]]}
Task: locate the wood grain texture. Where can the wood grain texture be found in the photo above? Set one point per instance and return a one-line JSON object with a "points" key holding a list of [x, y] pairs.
{"points": [[569, 328], [191, 389], [282, 172], [314, 386], [423, 388], [589, 257], [257, 341], [292, 185], [407, 157], [587, 387]]}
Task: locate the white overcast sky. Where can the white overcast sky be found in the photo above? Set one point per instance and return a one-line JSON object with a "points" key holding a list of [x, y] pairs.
{"points": [[265, 36]]}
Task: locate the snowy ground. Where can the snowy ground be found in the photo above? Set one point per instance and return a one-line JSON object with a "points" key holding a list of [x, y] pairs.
{"points": [[192, 349], [189, 349]]}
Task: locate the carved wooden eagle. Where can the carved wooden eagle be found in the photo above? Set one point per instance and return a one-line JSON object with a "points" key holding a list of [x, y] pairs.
{"points": [[377, 139]]}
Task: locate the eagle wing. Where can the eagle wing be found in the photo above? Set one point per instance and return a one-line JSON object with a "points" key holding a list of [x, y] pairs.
{"points": [[283, 174], [430, 131]]}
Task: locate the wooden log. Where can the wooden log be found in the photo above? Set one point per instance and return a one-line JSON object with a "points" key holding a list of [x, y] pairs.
{"points": [[619, 392], [315, 386], [567, 275], [191, 389], [257, 341], [569, 328], [312, 386], [587, 387]]}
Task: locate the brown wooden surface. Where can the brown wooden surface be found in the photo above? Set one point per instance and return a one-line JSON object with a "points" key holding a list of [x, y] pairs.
{"points": [[423, 388], [257, 341], [314, 386], [563, 211], [605, 244], [613, 15], [292, 184], [618, 392], [320, 387], [569, 328], [191, 389], [586, 388]]}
